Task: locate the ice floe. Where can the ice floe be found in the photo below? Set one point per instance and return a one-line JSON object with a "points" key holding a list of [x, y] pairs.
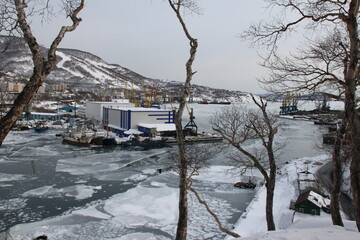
{"points": [[79, 192]]}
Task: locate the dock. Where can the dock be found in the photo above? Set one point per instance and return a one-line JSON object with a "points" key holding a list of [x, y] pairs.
{"points": [[200, 138]]}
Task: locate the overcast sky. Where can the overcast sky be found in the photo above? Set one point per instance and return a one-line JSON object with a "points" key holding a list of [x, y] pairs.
{"points": [[145, 36]]}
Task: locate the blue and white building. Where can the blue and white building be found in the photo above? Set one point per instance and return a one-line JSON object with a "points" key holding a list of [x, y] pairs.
{"points": [[140, 119], [94, 110]]}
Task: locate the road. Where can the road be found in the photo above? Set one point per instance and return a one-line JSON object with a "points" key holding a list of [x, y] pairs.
{"points": [[324, 176]]}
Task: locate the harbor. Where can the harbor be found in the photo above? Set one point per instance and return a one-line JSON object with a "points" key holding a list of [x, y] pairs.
{"points": [[49, 183]]}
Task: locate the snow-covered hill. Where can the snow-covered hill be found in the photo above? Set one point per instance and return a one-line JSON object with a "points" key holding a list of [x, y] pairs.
{"points": [[78, 69], [85, 72]]}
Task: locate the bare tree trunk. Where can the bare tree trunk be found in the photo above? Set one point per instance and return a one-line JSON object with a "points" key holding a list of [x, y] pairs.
{"points": [[181, 231], [337, 178], [270, 181], [270, 187], [350, 105], [354, 127], [183, 206], [183, 202], [355, 176], [42, 67]]}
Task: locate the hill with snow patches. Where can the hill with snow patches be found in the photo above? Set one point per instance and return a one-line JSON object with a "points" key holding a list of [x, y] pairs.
{"points": [[78, 69], [85, 72]]}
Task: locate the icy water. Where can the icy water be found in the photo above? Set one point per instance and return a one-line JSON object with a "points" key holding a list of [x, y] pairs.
{"points": [[106, 193]]}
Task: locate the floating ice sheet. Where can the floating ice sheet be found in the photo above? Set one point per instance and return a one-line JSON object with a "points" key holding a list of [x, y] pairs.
{"points": [[79, 192]]}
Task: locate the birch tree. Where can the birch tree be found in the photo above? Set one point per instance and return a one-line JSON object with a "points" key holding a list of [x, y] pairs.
{"points": [[238, 126], [318, 66], [177, 6], [14, 16], [314, 16]]}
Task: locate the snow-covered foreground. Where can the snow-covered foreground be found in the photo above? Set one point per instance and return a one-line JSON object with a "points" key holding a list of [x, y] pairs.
{"points": [[291, 226]]}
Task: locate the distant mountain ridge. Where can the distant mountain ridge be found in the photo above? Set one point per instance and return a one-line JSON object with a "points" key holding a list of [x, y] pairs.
{"points": [[84, 72], [78, 69]]}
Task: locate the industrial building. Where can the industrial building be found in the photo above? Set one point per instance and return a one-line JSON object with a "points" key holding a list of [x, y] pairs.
{"points": [[146, 120]]}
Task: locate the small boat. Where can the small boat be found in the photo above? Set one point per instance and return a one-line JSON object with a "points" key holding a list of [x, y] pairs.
{"points": [[325, 122], [220, 102], [87, 137], [109, 141], [40, 129], [78, 137], [152, 143], [245, 185]]}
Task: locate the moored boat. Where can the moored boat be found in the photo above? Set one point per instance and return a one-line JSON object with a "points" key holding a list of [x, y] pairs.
{"points": [[220, 102], [40, 129], [145, 142], [87, 137]]}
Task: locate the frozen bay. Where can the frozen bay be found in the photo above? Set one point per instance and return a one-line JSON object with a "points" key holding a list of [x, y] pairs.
{"points": [[108, 193]]}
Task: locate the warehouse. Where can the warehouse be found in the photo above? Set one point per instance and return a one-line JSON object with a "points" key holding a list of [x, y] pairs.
{"points": [[122, 119]]}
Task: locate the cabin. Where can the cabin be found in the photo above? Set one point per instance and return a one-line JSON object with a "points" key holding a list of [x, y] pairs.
{"points": [[312, 203], [145, 120]]}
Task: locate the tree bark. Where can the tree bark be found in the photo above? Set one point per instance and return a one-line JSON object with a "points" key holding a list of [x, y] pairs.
{"points": [[183, 203], [183, 206], [181, 231], [269, 204], [337, 177], [270, 188], [350, 104], [270, 184]]}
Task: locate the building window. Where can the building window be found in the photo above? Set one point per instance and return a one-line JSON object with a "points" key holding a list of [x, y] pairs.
{"points": [[301, 210], [313, 212]]}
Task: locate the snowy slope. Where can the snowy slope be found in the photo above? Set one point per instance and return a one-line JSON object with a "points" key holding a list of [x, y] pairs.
{"points": [[73, 67], [252, 224], [83, 71]]}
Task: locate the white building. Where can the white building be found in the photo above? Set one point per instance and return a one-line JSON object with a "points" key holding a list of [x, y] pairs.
{"points": [[94, 110], [144, 119]]}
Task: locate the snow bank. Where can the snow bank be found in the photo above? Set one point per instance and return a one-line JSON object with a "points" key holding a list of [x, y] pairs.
{"points": [[252, 224], [328, 233]]}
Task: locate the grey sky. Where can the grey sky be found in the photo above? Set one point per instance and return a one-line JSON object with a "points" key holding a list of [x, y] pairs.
{"points": [[145, 36]]}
